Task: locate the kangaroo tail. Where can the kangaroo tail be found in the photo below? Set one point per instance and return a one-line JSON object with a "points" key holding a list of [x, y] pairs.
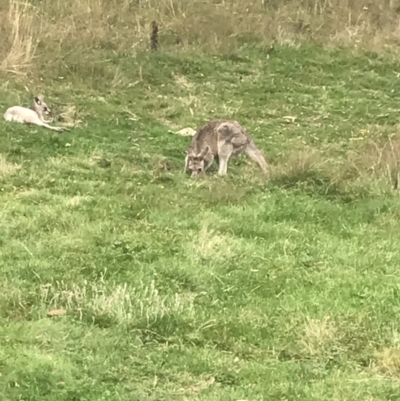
{"points": [[255, 154]]}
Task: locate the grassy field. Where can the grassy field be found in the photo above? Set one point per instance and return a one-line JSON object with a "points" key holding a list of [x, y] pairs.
{"points": [[227, 288]]}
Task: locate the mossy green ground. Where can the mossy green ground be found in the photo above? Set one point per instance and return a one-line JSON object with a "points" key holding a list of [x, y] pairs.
{"points": [[220, 289]]}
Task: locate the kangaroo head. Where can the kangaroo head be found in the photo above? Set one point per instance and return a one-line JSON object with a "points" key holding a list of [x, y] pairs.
{"points": [[195, 161], [41, 107]]}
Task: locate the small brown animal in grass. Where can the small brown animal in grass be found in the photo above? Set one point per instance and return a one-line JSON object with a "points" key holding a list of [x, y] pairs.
{"points": [[220, 139]]}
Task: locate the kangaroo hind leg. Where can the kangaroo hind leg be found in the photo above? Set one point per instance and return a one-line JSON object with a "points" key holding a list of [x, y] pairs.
{"points": [[58, 129]]}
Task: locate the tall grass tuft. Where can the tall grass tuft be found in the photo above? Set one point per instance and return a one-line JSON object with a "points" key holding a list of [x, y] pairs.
{"points": [[18, 37]]}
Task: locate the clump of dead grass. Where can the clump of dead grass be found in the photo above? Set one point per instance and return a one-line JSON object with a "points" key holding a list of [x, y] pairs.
{"points": [[71, 116], [6, 168], [122, 304], [18, 41], [319, 338], [387, 361], [375, 159], [372, 163], [307, 165], [300, 162]]}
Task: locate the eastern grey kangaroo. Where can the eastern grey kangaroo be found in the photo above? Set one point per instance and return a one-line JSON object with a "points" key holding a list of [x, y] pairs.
{"points": [[35, 115], [220, 139]]}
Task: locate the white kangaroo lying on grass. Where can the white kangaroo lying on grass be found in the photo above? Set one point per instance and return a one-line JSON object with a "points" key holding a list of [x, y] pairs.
{"points": [[33, 115]]}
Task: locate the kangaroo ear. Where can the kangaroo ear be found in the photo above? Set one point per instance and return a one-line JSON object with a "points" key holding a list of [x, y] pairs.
{"points": [[189, 151], [37, 101], [204, 152]]}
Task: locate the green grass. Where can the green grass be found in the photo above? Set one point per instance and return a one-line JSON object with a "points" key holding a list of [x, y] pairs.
{"points": [[222, 289]]}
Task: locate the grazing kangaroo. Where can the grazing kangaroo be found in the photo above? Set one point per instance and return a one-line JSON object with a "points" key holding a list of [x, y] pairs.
{"points": [[34, 115], [220, 139]]}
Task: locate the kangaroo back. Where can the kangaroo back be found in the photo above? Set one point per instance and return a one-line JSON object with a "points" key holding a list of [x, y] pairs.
{"points": [[206, 136]]}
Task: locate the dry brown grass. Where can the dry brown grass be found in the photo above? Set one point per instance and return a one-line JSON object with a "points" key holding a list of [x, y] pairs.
{"points": [[377, 159], [387, 361], [300, 162], [7, 168], [52, 29], [71, 116], [18, 37], [319, 337], [372, 161]]}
